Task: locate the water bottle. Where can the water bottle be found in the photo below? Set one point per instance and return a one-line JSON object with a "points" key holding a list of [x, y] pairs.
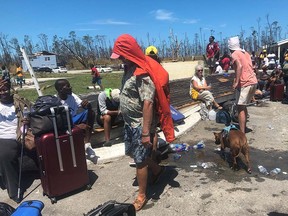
{"points": [[25, 116], [25, 112], [207, 165], [179, 147], [199, 145], [275, 171], [263, 170]]}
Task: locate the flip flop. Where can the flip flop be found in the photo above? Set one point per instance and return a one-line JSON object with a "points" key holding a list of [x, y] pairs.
{"points": [[138, 204]]}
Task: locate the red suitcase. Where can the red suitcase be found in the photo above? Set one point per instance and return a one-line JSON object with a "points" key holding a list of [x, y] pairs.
{"points": [[277, 92], [62, 161]]}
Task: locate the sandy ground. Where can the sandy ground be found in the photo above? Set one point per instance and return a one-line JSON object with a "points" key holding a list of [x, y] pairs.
{"points": [[186, 190]]}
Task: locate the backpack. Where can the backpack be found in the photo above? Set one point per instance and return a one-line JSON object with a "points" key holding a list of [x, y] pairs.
{"points": [[223, 117]]}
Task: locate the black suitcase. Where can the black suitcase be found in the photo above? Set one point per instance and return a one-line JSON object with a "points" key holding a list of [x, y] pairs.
{"points": [[113, 208]]}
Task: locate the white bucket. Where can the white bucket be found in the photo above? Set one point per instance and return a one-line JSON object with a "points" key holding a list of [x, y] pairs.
{"points": [[212, 115]]}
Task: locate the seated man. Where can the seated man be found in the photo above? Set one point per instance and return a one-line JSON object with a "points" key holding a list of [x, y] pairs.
{"points": [[10, 138], [83, 119], [107, 111]]}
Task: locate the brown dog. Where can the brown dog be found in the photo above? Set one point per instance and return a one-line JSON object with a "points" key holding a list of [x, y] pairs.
{"points": [[237, 142]]}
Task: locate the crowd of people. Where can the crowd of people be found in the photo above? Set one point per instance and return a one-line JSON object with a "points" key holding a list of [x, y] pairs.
{"points": [[142, 102]]}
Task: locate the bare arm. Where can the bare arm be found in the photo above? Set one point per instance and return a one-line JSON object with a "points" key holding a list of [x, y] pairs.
{"points": [[199, 88], [238, 70], [147, 120]]}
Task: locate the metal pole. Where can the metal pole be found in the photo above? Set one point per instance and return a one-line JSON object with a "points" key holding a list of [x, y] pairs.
{"points": [[30, 69]]}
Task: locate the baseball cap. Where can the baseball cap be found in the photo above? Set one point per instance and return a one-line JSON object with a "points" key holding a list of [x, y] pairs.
{"points": [[151, 50], [115, 94], [114, 56]]}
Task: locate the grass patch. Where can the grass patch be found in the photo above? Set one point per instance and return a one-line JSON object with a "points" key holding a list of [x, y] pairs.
{"points": [[79, 83]]}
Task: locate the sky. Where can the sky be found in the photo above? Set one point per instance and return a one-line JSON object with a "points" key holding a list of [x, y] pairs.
{"points": [[159, 18]]}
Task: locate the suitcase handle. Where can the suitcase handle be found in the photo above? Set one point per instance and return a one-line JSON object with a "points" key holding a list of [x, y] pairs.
{"points": [[57, 138], [52, 109]]}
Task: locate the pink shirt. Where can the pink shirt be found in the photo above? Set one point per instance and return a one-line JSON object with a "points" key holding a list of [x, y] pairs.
{"points": [[247, 76]]}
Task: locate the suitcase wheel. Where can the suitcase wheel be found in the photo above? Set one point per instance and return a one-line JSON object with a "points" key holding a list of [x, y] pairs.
{"points": [[53, 200], [88, 187]]}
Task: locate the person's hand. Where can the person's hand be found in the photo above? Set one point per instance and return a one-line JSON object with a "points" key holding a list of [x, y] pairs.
{"points": [[208, 87], [86, 104], [235, 85], [146, 142]]}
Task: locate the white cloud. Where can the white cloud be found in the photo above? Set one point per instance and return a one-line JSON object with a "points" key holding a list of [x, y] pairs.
{"points": [[106, 22], [161, 14], [223, 25], [191, 21]]}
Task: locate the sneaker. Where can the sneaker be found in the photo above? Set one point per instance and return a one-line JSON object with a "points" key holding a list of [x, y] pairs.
{"points": [[107, 144]]}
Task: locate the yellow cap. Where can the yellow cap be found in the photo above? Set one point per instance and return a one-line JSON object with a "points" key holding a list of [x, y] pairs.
{"points": [[150, 49], [264, 50]]}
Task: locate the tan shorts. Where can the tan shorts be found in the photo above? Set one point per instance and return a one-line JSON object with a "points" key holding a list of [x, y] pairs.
{"points": [[245, 94]]}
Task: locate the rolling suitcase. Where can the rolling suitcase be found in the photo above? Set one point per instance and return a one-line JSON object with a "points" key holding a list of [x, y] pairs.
{"points": [[277, 92], [62, 160]]}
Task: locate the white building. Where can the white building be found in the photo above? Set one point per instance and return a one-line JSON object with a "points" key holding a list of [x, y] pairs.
{"points": [[41, 59]]}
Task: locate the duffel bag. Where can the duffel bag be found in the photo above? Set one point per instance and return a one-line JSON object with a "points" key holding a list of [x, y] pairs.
{"points": [[31, 208], [113, 208], [41, 124], [43, 103]]}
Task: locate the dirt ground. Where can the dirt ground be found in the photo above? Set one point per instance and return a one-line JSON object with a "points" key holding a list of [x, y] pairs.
{"points": [[187, 189]]}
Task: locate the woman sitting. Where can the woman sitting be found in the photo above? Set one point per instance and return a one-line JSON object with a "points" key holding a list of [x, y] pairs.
{"points": [[199, 90]]}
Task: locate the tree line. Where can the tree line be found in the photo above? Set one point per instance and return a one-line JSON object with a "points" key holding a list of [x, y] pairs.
{"points": [[96, 49]]}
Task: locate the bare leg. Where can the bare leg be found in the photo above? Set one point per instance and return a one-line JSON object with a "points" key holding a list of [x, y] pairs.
{"points": [[142, 174], [242, 116], [107, 126]]}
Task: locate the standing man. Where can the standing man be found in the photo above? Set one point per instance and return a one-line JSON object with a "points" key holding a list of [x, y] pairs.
{"points": [[136, 105], [212, 53], [245, 82], [108, 111], [96, 78], [19, 74]]}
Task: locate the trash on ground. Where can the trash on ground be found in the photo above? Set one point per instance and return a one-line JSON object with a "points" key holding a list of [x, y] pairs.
{"points": [[176, 156], [263, 170], [179, 147], [275, 171], [194, 166], [206, 165], [199, 145]]}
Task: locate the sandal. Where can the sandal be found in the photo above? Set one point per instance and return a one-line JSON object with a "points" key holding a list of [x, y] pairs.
{"points": [[155, 178], [138, 204]]}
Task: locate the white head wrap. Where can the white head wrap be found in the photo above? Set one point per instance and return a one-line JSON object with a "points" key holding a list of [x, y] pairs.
{"points": [[234, 44]]}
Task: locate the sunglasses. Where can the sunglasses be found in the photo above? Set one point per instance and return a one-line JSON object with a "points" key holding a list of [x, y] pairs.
{"points": [[199, 70]]}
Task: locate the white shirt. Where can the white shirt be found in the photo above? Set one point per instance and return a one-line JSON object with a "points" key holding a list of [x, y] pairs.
{"points": [[199, 82], [73, 102], [8, 121], [219, 69]]}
